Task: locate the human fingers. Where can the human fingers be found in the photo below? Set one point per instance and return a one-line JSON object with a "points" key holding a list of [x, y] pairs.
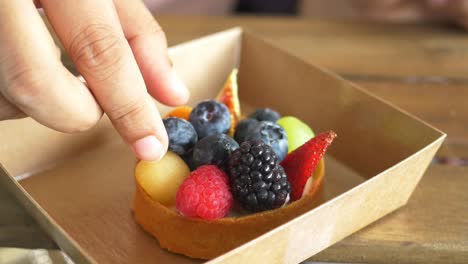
{"points": [[149, 46], [392, 10], [91, 33], [32, 78], [454, 10], [9, 110]]}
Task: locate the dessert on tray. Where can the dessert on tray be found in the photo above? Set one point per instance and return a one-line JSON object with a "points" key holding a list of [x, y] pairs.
{"points": [[226, 180]]}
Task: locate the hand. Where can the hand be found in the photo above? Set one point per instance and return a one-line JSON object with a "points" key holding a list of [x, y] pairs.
{"points": [[116, 46], [414, 10], [455, 10]]}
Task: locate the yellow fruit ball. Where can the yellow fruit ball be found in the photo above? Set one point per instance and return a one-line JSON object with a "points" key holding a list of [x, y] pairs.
{"points": [[161, 179]]}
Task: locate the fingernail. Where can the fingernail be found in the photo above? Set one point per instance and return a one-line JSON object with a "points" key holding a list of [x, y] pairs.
{"points": [[148, 148], [179, 86]]}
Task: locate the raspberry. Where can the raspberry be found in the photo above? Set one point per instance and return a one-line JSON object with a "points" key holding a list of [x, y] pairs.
{"points": [[258, 182], [205, 194]]}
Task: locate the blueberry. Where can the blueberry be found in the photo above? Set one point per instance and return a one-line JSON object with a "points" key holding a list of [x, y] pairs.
{"points": [[265, 114], [214, 149], [209, 118], [188, 158], [182, 135], [273, 135], [243, 129]]}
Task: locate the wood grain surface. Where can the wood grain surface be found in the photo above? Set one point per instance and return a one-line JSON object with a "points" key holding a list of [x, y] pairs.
{"points": [[421, 69], [431, 228]]}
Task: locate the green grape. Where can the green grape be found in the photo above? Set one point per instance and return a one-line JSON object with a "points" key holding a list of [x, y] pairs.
{"points": [[297, 131]]}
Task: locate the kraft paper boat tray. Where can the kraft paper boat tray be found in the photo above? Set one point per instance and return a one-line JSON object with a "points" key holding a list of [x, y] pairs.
{"points": [[80, 187]]}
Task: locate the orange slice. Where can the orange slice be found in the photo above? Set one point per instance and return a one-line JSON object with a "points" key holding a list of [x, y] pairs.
{"points": [[181, 112]]}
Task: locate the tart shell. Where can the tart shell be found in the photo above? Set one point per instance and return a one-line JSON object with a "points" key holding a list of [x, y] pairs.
{"points": [[206, 239]]}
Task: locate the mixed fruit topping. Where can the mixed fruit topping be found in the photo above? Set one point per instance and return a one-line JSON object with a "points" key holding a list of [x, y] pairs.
{"points": [[217, 161]]}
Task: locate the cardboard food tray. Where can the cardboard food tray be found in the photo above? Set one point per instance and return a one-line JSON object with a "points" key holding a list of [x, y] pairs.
{"points": [[80, 187]]}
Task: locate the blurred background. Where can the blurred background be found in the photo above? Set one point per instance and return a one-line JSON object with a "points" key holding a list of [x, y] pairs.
{"points": [[430, 82], [400, 11]]}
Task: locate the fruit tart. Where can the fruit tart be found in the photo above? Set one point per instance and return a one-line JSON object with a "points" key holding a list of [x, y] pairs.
{"points": [[226, 180]]}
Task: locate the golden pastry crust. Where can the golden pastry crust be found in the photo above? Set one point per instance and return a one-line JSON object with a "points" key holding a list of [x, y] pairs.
{"points": [[206, 239]]}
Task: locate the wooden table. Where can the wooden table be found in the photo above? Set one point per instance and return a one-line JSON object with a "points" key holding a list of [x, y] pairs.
{"points": [[421, 69]]}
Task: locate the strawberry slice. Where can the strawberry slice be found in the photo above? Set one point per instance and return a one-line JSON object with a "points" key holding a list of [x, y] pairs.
{"points": [[300, 164]]}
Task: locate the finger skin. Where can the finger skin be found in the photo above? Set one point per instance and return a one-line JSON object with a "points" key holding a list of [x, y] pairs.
{"points": [[8, 110], [91, 33], [32, 77], [149, 46], [414, 11], [454, 10], [400, 11]]}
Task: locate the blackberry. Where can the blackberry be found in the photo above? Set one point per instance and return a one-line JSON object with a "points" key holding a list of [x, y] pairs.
{"points": [[258, 182]]}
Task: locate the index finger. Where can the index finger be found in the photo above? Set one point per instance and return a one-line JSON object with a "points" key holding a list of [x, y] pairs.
{"points": [[91, 33]]}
